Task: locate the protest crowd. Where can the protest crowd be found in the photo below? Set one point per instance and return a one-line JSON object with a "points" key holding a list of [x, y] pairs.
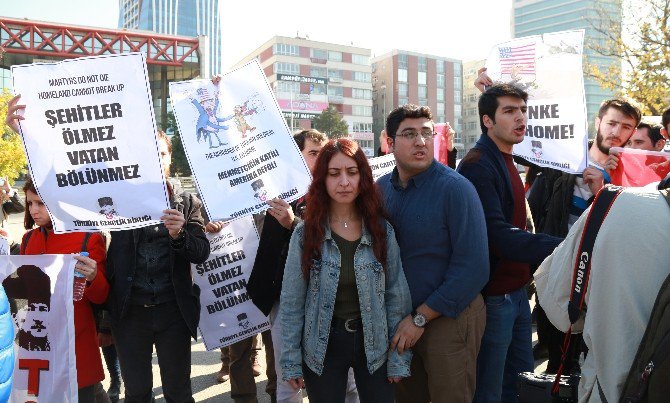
{"points": [[411, 288]]}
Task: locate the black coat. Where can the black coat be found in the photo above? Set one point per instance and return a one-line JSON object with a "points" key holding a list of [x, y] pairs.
{"points": [[190, 247], [265, 281]]}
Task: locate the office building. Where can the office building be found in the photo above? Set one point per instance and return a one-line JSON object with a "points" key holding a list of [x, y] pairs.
{"points": [[400, 77], [471, 127], [308, 75], [534, 17], [188, 18]]}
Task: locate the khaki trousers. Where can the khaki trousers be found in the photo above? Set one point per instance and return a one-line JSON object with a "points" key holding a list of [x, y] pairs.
{"points": [[444, 364]]}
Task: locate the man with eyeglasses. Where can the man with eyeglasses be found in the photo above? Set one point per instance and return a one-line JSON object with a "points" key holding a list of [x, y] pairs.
{"points": [[440, 227], [506, 348]]}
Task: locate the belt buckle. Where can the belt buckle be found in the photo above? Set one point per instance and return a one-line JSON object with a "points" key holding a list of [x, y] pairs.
{"points": [[346, 325], [149, 305]]}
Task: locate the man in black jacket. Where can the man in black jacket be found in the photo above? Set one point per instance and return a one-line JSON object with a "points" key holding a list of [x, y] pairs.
{"points": [[506, 347], [152, 298]]}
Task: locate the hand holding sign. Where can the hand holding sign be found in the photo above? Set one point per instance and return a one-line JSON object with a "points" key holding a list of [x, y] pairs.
{"points": [[174, 222], [14, 113], [282, 212]]}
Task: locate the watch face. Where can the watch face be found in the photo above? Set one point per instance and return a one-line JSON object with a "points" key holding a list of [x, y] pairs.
{"points": [[419, 320]]}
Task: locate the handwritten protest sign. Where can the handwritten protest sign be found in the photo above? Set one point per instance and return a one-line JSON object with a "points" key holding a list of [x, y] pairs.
{"points": [[90, 137], [237, 143], [381, 165], [227, 315], [549, 68], [41, 288], [637, 168]]}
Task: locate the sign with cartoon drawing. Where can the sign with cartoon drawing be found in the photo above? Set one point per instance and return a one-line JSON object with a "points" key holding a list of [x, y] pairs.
{"points": [[90, 137], [40, 288], [237, 143], [227, 315], [549, 68]]}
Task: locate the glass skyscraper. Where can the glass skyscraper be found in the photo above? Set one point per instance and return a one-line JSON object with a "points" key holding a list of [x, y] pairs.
{"points": [[535, 17], [178, 17]]}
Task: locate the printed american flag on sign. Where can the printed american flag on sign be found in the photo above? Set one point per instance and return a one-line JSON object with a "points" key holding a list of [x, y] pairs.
{"points": [[521, 56]]}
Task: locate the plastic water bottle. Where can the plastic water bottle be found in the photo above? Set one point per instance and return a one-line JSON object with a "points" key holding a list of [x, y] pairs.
{"points": [[79, 283]]}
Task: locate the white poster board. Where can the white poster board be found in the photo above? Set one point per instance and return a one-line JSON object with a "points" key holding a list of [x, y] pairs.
{"points": [[41, 286], [90, 137], [549, 68], [238, 145], [227, 314], [381, 165]]}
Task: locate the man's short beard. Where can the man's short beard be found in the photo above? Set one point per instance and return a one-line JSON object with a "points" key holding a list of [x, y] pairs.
{"points": [[599, 143]]}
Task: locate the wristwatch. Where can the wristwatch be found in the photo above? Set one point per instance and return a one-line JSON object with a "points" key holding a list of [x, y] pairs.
{"points": [[419, 319]]}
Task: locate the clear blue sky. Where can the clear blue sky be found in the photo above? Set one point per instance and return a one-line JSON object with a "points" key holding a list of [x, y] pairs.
{"points": [[462, 30]]}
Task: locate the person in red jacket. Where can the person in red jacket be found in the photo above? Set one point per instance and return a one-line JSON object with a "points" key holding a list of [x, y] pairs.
{"points": [[43, 240]]}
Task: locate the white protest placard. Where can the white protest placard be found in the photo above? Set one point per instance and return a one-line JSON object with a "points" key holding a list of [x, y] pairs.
{"points": [[227, 314], [90, 137], [381, 165], [549, 68], [237, 143], [41, 287]]}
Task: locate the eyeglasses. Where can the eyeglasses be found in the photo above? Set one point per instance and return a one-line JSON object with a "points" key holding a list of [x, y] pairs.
{"points": [[412, 134]]}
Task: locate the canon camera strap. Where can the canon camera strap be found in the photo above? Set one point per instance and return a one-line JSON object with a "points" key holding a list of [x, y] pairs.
{"points": [[599, 208]]}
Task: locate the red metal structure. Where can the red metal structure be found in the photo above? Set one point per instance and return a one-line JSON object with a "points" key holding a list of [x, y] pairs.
{"points": [[66, 41]]}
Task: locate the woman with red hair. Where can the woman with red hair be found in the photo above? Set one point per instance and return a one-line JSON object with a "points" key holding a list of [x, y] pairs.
{"points": [[344, 291]]}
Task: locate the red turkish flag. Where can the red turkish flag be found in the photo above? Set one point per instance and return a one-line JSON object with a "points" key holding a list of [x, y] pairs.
{"points": [[639, 168]]}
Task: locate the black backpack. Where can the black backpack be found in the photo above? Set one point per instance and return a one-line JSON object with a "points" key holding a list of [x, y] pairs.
{"points": [[648, 380]]}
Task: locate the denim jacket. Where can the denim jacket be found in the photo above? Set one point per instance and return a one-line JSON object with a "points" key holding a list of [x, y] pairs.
{"points": [[306, 308]]}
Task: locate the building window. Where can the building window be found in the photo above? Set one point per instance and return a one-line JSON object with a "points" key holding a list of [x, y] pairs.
{"points": [[457, 69], [422, 63], [318, 89], [402, 75], [441, 119], [334, 56], [439, 66], [457, 96], [362, 77], [473, 98], [335, 74], [286, 68], [338, 91], [318, 72], [440, 108], [471, 112], [288, 86], [402, 101], [361, 110], [362, 127], [360, 59], [423, 92], [421, 76], [458, 82], [318, 54], [360, 93], [440, 81], [402, 89], [440, 96], [472, 126], [402, 61], [285, 49]]}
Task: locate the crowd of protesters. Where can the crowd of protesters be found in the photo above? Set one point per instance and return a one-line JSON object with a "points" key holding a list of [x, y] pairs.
{"points": [[410, 289]]}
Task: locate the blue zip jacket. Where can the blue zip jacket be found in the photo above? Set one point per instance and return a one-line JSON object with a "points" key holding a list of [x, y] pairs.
{"points": [[485, 167]]}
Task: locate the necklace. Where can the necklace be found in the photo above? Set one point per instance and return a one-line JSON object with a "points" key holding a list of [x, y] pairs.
{"points": [[345, 223]]}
